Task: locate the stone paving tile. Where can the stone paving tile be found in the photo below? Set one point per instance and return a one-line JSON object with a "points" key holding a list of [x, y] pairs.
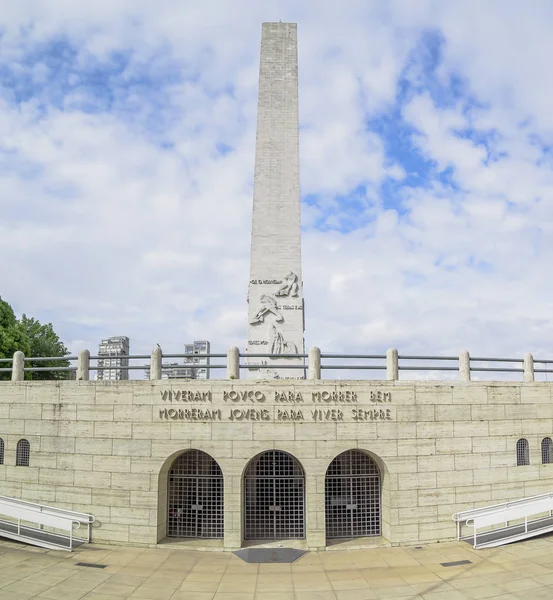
{"points": [[193, 596], [198, 586], [16, 596], [449, 595], [321, 595], [245, 588], [521, 571], [356, 595], [152, 593], [95, 596], [115, 589], [519, 585], [273, 587], [349, 584], [233, 596], [275, 596], [485, 591], [399, 591]]}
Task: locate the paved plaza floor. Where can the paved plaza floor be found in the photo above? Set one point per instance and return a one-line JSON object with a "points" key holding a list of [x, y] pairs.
{"points": [[522, 571]]}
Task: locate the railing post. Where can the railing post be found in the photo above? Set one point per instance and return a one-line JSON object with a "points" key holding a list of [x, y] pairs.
{"points": [[314, 363], [83, 366], [18, 365], [528, 367], [392, 365], [233, 363], [155, 363], [464, 366]]}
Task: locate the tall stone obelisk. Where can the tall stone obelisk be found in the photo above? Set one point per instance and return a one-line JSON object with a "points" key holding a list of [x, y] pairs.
{"points": [[275, 295]]}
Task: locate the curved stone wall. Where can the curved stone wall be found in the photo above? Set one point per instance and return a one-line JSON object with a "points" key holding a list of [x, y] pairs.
{"points": [[106, 448]]}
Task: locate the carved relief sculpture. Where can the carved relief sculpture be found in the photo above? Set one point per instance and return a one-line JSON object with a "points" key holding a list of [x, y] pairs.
{"points": [[279, 345], [267, 305], [290, 286]]}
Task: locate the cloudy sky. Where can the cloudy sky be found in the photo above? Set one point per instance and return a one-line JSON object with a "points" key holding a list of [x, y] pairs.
{"points": [[127, 136]]}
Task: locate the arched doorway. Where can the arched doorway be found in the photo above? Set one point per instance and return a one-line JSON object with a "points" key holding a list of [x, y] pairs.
{"points": [[352, 496], [274, 492], [195, 497]]}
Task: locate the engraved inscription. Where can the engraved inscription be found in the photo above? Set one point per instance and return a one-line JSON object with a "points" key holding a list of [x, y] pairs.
{"points": [[332, 414], [249, 414], [192, 414], [244, 396], [375, 414], [334, 396], [289, 415], [185, 396], [294, 397], [381, 396]]}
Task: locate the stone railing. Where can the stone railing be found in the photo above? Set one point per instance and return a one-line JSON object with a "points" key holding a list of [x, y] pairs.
{"points": [[390, 364]]}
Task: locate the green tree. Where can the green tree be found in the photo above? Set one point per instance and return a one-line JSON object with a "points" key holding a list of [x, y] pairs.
{"points": [[12, 338], [43, 341]]}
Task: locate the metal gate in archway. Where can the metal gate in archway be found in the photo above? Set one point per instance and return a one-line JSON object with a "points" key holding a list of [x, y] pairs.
{"points": [[274, 492], [352, 488], [195, 497]]}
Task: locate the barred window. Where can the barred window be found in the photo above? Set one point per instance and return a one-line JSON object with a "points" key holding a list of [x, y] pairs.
{"points": [[23, 453], [546, 451], [523, 452], [1, 451]]}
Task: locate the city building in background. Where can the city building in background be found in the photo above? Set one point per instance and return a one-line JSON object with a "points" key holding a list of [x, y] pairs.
{"points": [[191, 368], [114, 349], [198, 347]]}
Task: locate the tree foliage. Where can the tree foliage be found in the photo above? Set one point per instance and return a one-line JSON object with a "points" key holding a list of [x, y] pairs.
{"points": [[12, 338], [33, 339], [44, 342]]}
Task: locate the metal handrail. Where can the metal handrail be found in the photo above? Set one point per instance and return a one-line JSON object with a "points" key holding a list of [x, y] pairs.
{"points": [[473, 512], [276, 366], [428, 364], [504, 513], [51, 509], [39, 358], [42, 514], [368, 356]]}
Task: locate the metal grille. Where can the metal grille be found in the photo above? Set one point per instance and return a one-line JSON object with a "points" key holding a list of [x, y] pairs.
{"points": [[274, 486], [23, 453], [546, 451], [523, 452], [352, 492], [1, 451], [195, 497]]}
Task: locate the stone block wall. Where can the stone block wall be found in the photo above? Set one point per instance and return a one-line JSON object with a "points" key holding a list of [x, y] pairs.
{"points": [[106, 448]]}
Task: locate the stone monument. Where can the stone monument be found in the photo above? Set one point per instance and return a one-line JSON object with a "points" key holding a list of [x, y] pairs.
{"points": [[275, 295]]}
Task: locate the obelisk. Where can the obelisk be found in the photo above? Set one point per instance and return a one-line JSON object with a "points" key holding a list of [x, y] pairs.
{"points": [[275, 295]]}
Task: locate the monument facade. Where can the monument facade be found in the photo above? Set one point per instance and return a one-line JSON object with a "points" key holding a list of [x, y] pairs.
{"points": [[231, 462], [218, 464], [275, 295]]}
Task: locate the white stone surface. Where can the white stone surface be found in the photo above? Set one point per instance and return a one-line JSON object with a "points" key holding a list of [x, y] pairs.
{"points": [[107, 448], [275, 295]]}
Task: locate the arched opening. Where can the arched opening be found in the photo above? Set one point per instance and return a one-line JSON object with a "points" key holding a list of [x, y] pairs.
{"points": [[195, 497], [352, 496], [22, 453], [523, 452], [546, 451], [274, 497]]}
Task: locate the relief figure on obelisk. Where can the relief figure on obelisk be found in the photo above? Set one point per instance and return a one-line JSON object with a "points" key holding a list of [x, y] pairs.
{"points": [[275, 294]]}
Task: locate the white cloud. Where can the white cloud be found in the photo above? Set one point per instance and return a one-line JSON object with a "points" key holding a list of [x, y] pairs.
{"points": [[130, 221]]}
